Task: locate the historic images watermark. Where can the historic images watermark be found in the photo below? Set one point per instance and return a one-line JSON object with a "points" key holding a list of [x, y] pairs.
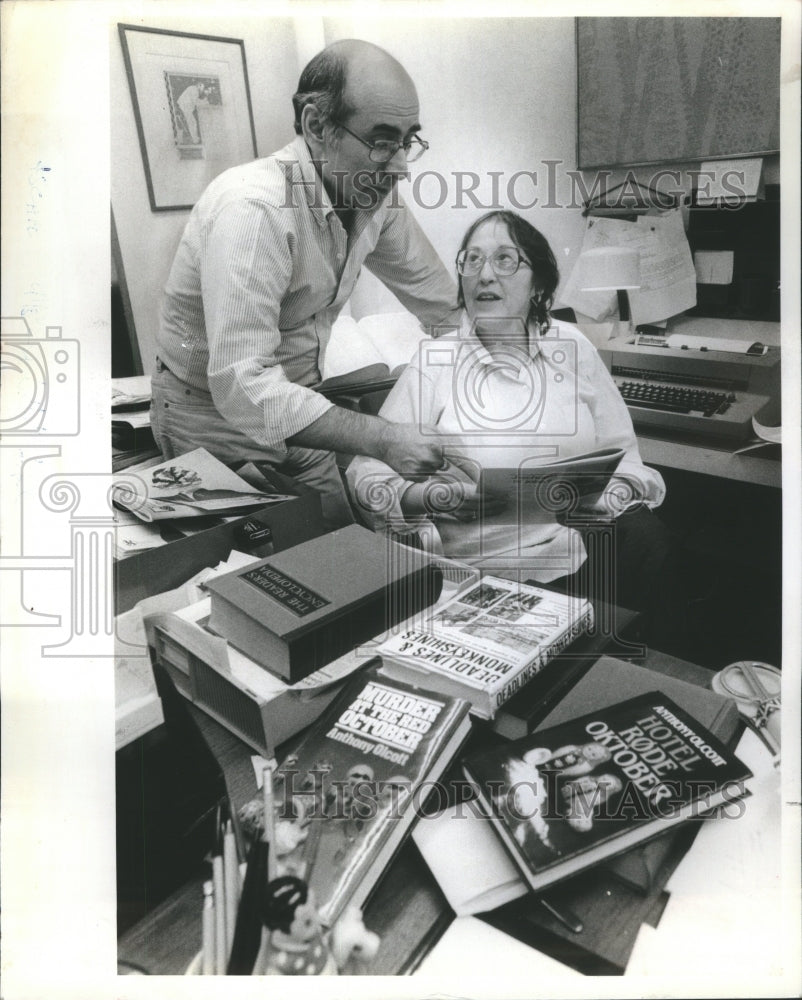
{"points": [[552, 185], [359, 797]]}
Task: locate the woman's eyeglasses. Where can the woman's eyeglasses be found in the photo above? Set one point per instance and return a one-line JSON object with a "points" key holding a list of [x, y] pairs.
{"points": [[504, 261]]}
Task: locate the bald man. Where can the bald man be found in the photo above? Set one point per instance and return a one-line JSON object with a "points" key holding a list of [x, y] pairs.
{"points": [[269, 257]]}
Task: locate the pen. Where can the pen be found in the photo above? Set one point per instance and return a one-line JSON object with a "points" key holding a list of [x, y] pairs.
{"points": [[566, 917], [218, 883], [232, 882], [270, 822], [208, 961]]}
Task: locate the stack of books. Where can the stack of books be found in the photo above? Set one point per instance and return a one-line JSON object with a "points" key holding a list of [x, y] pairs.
{"points": [[625, 761]]}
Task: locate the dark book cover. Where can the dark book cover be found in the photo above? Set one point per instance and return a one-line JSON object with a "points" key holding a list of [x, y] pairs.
{"points": [[353, 783], [571, 796], [607, 681], [295, 611]]}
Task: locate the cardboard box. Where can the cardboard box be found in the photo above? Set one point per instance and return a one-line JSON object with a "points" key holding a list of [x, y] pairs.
{"points": [[263, 532]]}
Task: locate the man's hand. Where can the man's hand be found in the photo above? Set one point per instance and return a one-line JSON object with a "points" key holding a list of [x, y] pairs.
{"points": [[450, 492], [411, 453]]}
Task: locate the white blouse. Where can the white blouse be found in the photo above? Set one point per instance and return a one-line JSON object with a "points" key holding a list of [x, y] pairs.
{"points": [[502, 412]]}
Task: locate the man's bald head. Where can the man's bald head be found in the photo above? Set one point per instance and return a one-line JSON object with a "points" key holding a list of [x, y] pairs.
{"points": [[335, 79]]}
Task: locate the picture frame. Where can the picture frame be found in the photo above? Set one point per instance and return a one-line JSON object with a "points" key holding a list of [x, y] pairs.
{"points": [[192, 105], [658, 90]]}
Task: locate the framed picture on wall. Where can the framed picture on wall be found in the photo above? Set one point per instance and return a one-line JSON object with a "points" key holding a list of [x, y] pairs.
{"points": [[674, 89], [192, 106]]}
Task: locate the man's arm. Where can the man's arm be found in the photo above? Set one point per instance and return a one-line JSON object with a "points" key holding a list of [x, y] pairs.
{"points": [[407, 448]]}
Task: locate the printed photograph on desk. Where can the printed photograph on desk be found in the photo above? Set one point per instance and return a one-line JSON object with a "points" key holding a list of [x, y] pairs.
{"points": [[568, 797], [191, 485], [484, 644], [347, 795]]}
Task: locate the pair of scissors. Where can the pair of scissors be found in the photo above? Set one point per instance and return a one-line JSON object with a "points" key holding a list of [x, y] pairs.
{"points": [[756, 689]]}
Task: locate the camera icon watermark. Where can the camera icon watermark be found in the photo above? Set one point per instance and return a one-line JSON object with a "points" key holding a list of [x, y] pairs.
{"points": [[541, 382], [41, 390]]}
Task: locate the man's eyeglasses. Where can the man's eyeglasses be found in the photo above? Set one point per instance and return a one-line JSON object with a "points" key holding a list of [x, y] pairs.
{"points": [[504, 261], [383, 150]]}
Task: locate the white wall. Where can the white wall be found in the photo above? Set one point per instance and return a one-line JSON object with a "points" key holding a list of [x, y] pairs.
{"points": [[148, 240], [496, 94]]}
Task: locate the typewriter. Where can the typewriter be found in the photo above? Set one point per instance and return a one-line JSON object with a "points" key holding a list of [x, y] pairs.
{"points": [[710, 393]]}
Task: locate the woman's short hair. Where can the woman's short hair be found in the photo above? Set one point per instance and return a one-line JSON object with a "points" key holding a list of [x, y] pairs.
{"points": [[535, 247], [322, 83]]}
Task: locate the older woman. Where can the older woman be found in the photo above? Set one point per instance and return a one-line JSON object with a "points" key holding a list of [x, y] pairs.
{"points": [[512, 388]]}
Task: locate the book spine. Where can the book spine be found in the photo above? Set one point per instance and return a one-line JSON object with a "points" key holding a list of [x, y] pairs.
{"points": [[544, 655], [517, 682]]}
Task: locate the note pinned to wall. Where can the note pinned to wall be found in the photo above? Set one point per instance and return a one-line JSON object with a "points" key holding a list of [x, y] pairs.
{"points": [[730, 181], [668, 276], [714, 267]]}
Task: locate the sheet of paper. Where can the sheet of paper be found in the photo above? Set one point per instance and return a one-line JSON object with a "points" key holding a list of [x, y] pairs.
{"points": [[714, 267], [683, 341], [467, 859], [461, 957], [134, 418], [668, 277], [133, 389], [731, 880], [748, 330], [771, 434], [730, 181]]}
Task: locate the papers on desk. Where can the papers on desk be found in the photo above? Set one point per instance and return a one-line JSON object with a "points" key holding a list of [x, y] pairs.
{"points": [[191, 485], [724, 913], [765, 437], [668, 277], [134, 391]]}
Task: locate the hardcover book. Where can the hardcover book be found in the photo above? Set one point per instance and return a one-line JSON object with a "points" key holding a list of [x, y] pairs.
{"points": [[301, 608], [352, 783], [608, 681], [487, 642], [569, 797]]}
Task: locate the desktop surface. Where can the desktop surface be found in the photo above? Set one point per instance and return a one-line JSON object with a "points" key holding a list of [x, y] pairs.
{"points": [[407, 908]]}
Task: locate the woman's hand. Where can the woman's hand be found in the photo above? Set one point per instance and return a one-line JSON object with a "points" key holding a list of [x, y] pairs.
{"points": [[450, 493]]}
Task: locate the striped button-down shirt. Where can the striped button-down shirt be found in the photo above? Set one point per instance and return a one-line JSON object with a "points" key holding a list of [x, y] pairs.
{"points": [[262, 271]]}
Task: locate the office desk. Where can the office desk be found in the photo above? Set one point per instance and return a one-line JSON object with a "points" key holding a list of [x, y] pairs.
{"points": [[407, 909], [710, 459]]}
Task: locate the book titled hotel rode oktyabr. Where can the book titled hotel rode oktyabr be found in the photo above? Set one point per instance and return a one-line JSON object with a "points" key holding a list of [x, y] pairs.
{"points": [[570, 796], [353, 778], [487, 642]]}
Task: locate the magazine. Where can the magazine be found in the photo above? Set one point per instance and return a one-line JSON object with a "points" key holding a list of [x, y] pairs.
{"points": [[193, 485]]}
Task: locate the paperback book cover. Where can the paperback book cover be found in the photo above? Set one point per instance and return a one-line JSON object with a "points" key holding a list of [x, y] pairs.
{"points": [[301, 608], [487, 642], [535, 491], [352, 781], [566, 798]]}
